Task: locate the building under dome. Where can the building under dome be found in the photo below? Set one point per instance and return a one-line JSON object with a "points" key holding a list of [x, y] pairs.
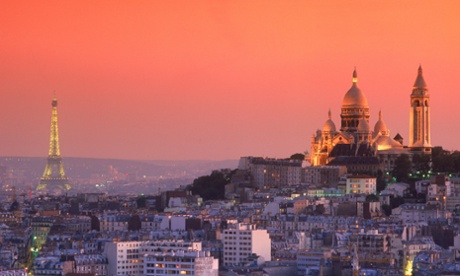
{"points": [[356, 138]]}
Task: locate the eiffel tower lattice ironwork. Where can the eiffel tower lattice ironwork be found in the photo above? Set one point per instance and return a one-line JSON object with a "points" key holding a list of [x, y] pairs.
{"points": [[54, 175]]}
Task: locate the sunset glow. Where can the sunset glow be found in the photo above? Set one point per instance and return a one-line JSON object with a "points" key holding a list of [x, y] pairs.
{"points": [[217, 79]]}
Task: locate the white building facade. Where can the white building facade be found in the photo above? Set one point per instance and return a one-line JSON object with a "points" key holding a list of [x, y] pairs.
{"points": [[244, 240], [126, 258], [199, 263], [361, 184]]}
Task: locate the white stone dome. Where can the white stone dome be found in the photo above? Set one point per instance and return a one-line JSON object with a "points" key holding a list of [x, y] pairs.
{"points": [[329, 125], [363, 125], [355, 97], [380, 127]]}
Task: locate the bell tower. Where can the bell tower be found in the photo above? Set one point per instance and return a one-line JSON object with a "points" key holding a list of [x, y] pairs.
{"points": [[419, 125]]}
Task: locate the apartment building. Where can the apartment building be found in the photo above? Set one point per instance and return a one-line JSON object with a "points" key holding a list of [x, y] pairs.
{"points": [[94, 264], [361, 184], [269, 173], [241, 241], [127, 257], [199, 263]]}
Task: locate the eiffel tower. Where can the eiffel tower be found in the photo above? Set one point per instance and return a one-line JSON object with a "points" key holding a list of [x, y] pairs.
{"points": [[54, 175]]}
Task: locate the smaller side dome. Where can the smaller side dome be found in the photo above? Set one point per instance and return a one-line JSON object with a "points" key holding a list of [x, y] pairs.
{"points": [[363, 125], [380, 127], [329, 126]]}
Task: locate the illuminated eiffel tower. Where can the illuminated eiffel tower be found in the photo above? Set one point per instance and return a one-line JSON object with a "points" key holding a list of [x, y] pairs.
{"points": [[54, 175]]}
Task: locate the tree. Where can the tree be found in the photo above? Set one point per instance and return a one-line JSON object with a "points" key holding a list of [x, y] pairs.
{"points": [[211, 187], [320, 209], [372, 198], [381, 182], [395, 202], [402, 168], [443, 160], [386, 209], [455, 157], [298, 156], [421, 163], [95, 223], [141, 202], [134, 223]]}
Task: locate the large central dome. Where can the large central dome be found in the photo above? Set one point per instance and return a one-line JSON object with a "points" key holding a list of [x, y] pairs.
{"points": [[354, 96]]}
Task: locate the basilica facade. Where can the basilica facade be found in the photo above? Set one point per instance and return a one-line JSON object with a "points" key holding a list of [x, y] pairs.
{"points": [[357, 139]]}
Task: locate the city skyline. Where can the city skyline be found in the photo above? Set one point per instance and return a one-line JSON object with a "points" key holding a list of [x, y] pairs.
{"points": [[216, 80]]}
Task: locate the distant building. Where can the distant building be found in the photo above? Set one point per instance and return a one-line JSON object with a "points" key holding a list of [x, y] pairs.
{"points": [[19, 272], [126, 257], [324, 192], [371, 242], [91, 264], [113, 222], [167, 195], [269, 173], [51, 266], [359, 164], [361, 184], [368, 210], [325, 176], [421, 186], [80, 224], [438, 191], [396, 189], [453, 200], [415, 213], [199, 263], [243, 240], [311, 260]]}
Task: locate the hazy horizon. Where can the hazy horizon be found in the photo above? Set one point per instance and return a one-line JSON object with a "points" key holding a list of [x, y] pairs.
{"points": [[153, 160]]}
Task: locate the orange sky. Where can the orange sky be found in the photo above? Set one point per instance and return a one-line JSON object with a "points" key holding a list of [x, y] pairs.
{"points": [[217, 79]]}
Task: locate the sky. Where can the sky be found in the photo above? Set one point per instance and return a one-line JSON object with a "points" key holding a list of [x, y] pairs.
{"points": [[216, 80]]}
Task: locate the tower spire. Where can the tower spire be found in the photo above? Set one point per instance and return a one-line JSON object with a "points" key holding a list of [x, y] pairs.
{"points": [[355, 76], [419, 81], [54, 175]]}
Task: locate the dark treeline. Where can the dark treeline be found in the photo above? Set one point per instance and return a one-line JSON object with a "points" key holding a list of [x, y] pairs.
{"points": [[445, 161]]}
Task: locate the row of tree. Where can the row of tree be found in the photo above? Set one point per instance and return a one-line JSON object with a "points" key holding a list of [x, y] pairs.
{"points": [[211, 187], [445, 161], [422, 165]]}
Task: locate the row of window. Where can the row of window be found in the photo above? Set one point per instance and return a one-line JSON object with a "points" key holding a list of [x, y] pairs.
{"points": [[129, 261], [128, 267], [90, 268], [169, 259], [238, 232], [237, 238], [239, 248], [161, 272], [241, 253], [178, 265]]}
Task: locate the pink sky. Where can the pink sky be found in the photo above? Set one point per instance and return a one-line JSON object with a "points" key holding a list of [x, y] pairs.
{"points": [[217, 79]]}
